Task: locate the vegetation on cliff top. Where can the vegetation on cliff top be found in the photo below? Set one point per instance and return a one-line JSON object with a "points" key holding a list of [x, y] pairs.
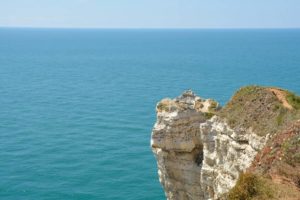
{"points": [[275, 172], [293, 100], [250, 186], [264, 109], [276, 169]]}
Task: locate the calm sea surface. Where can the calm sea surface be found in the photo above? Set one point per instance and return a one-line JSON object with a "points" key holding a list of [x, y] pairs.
{"points": [[77, 106]]}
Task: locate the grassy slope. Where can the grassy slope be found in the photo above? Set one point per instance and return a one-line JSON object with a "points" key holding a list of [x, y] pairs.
{"points": [[257, 107], [275, 173]]}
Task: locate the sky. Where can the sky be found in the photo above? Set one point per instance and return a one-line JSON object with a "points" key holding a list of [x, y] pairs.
{"points": [[150, 13]]}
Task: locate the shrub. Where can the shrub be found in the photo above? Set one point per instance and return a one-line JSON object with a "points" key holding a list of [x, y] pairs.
{"points": [[208, 115], [281, 115], [293, 100], [213, 106], [250, 186]]}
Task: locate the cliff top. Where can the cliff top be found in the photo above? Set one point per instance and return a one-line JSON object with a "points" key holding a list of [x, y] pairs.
{"points": [[275, 172], [263, 109], [187, 101], [200, 157]]}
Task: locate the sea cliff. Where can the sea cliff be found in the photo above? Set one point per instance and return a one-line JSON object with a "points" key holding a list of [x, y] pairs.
{"points": [[205, 151]]}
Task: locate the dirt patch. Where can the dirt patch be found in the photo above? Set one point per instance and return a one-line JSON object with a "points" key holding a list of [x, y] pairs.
{"points": [[281, 95]]}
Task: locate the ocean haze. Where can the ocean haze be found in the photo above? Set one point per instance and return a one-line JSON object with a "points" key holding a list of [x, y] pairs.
{"points": [[150, 14], [78, 105]]}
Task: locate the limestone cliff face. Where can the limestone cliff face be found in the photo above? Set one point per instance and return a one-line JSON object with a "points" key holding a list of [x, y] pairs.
{"points": [[227, 153], [177, 145], [198, 155]]}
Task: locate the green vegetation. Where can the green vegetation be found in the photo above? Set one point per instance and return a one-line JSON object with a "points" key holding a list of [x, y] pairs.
{"points": [[275, 173], [212, 109], [278, 164], [259, 108], [250, 186], [251, 89], [208, 115], [164, 105], [280, 116], [293, 100], [213, 106], [291, 150]]}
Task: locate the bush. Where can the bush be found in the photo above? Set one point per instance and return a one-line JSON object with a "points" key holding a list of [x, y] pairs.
{"points": [[293, 100], [280, 116], [208, 115], [250, 186]]}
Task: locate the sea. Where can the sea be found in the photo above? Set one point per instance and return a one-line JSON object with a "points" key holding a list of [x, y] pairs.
{"points": [[77, 106]]}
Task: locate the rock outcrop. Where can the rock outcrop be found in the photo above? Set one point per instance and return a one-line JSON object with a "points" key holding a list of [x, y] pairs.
{"points": [[201, 151], [177, 144], [227, 153]]}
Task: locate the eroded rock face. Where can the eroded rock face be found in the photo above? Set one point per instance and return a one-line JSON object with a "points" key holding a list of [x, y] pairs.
{"points": [[177, 145], [198, 155], [227, 153]]}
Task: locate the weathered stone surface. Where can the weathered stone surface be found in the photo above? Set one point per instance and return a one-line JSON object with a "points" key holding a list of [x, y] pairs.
{"points": [[198, 155], [176, 143], [226, 155]]}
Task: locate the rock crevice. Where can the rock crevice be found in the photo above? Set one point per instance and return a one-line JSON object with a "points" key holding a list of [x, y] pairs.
{"points": [[198, 155]]}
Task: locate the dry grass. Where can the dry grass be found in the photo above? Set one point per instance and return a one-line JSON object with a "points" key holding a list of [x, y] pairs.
{"points": [[278, 163], [293, 100], [250, 186], [275, 173], [259, 108]]}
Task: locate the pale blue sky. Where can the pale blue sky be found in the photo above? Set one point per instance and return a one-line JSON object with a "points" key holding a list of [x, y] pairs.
{"points": [[151, 13]]}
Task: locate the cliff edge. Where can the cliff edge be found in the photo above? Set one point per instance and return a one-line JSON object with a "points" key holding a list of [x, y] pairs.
{"points": [[206, 152]]}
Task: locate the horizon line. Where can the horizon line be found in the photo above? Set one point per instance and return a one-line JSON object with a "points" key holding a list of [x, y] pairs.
{"points": [[148, 28]]}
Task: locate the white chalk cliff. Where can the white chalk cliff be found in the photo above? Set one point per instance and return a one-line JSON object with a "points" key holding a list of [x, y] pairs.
{"points": [[198, 155]]}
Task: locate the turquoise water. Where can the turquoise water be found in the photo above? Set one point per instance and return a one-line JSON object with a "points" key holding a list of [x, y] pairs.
{"points": [[77, 106]]}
